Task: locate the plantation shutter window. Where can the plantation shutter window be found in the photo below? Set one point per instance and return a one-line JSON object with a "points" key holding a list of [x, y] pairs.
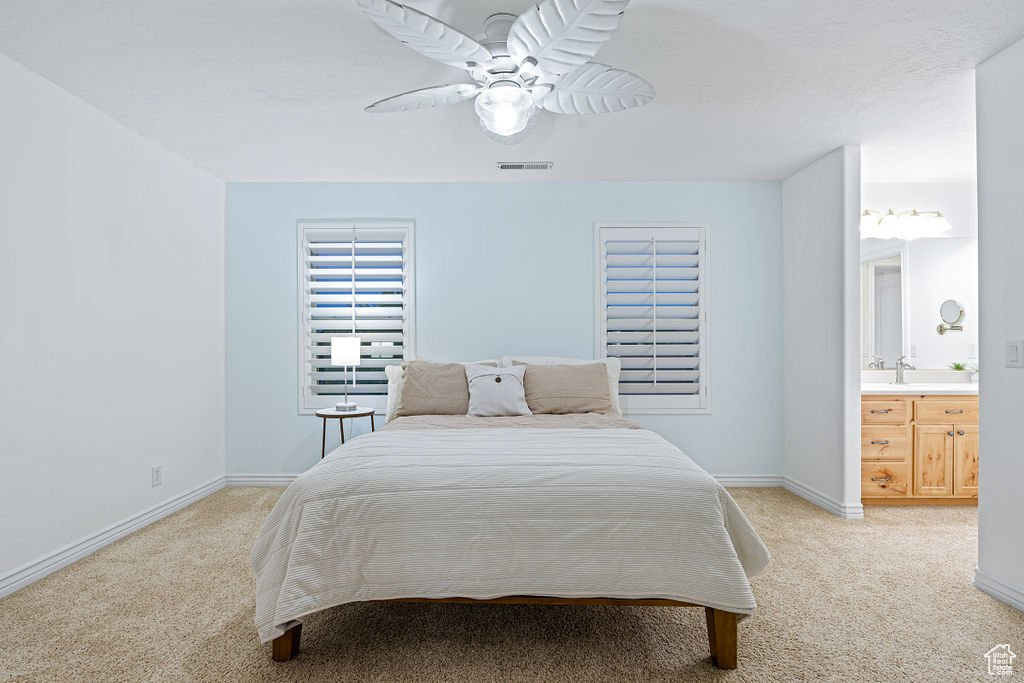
{"points": [[653, 315], [355, 280]]}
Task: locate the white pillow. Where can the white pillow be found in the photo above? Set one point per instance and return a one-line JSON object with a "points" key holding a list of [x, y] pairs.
{"points": [[614, 366], [496, 392], [394, 375]]}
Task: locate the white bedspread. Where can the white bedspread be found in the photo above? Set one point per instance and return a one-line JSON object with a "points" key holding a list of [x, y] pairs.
{"points": [[437, 513]]}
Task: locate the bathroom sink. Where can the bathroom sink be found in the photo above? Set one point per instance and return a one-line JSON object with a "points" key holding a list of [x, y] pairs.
{"points": [[935, 388]]}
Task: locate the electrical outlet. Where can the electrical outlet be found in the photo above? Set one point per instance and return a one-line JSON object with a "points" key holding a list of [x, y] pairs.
{"points": [[972, 351], [156, 475], [913, 350]]}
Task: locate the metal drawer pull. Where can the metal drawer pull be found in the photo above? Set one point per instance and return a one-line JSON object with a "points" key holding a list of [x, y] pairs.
{"points": [[881, 480], [958, 411], [882, 411], [961, 432], [950, 433], [879, 443]]}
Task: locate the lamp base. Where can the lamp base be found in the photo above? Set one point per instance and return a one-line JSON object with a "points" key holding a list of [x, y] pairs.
{"points": [[345, 407]]}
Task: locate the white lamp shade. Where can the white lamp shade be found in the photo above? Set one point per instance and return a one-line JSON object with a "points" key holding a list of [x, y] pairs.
{"points": [[345, 351], [870, 228], [916, 226], [940, 225]]}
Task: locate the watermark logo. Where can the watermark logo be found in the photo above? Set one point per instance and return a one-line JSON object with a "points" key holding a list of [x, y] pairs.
{"points": [[1000, 660]]}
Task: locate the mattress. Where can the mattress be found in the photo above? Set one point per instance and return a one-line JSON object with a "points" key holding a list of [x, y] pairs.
{"points": [[578, 506]]}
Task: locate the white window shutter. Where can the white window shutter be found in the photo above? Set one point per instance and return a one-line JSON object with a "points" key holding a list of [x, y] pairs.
{"points": [[377, 311], [653, 315]]}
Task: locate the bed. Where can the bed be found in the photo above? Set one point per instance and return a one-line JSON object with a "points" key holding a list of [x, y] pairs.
{"points": [[545, 509]]}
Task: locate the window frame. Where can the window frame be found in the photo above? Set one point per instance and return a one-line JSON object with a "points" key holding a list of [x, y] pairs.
{"points": [[308, 402], [668, 404]]}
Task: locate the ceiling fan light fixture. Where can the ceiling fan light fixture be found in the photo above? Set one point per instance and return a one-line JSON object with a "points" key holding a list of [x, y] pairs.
{"points": [[505, 108], [538, 60]]}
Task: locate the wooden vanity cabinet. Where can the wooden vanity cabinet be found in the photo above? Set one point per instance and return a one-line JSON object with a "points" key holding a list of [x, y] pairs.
{"points": [[919, 449]]}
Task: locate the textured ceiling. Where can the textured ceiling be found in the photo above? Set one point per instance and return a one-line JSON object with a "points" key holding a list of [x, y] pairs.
{"points": [[747, 89]]}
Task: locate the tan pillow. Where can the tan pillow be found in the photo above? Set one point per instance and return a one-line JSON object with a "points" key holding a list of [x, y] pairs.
{"points": [[433, 389], [562, 389]]}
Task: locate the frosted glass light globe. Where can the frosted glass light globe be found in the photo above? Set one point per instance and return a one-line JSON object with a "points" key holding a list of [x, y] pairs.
{"points": [[505, 109]]}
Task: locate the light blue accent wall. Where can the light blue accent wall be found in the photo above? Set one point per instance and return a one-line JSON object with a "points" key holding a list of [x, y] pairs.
{"points": [[506, 269]]}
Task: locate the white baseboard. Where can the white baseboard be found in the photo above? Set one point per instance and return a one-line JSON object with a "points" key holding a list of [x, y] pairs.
{"points": [[62, 557], [749, 480], [998, 590], [828, 503], [259, 479]]}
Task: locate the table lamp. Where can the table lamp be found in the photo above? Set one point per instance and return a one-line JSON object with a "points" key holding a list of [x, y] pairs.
{"points": [[345, 353]]}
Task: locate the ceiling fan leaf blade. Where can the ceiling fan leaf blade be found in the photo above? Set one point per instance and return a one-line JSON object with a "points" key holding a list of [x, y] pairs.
{"points": [[425, 34], [424, 98], [598, 89], [564, 34]]}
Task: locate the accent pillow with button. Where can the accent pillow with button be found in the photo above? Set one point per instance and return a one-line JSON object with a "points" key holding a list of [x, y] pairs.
{"points": [[496, 392]]}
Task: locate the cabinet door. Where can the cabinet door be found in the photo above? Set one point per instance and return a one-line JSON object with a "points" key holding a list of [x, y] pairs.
{"points": [[933, 460], [965, 461]]}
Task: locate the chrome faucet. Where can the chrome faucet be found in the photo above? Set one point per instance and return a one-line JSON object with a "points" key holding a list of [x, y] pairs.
{"points": [[877, 363], [900, 367]]}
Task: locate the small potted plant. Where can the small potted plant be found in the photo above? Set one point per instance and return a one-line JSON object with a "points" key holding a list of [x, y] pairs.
{"points": [[960, 367]]}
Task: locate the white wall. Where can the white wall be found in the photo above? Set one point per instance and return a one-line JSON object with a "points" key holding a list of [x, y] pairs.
{"points": [[821, 331], [1000, 180], [111, 321], [937, 269]]}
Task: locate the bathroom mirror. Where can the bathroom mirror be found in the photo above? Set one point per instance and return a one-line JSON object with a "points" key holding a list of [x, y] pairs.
{"points": [[882, 314], [936, 284]]}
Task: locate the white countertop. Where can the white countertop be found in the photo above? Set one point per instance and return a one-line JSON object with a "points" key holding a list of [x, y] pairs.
{"points": [[922, 389]]}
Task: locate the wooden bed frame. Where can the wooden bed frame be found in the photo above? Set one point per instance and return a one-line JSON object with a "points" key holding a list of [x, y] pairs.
{"points": [[721, 624]]}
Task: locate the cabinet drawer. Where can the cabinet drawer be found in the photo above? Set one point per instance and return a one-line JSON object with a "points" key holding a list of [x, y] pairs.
{"points": [[946, 411], [883, 412], [884, 443], [883, 480]]}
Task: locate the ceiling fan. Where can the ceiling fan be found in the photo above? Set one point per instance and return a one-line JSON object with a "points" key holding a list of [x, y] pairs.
{"points": [[538, 60]]}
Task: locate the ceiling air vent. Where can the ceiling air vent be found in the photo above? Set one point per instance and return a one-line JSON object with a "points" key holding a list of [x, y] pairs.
{"points": [[525, 165]]}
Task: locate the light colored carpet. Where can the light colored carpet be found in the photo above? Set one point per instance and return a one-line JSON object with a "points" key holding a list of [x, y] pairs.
{"points": [[887, 599]]}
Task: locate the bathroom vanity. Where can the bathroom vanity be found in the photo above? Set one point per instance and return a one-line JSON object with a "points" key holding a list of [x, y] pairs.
{"points": [[919, 444]]}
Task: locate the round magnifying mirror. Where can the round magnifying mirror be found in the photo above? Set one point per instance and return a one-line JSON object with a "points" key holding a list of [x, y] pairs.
{"points": [[951, 312]]}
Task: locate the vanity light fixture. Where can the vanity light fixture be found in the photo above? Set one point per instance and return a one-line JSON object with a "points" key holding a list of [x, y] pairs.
{"points": [[905, 225]]}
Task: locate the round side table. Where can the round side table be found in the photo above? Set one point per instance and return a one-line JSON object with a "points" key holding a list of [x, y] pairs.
{"points": [[340, 415]]}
